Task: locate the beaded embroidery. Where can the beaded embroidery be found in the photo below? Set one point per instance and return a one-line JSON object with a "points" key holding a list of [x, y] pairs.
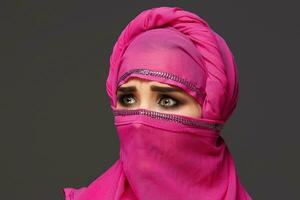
{"points": [[165, 75], [171, 117]]}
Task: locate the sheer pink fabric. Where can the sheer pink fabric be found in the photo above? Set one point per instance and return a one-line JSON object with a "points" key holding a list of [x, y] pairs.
{"points": [[171, 156]]}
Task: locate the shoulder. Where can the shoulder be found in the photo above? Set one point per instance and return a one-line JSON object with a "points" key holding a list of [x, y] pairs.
{"points": [[72, 193]]}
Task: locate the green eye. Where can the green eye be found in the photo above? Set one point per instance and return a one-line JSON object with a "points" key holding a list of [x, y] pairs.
{"points": [[168, 102], [126, 100]]}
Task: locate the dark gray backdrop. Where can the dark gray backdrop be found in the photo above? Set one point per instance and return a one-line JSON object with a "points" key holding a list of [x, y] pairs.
{"points": [[57, 127]]}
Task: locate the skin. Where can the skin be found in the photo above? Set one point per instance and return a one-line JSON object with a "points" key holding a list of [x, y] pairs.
{"points": [[146, 97]]}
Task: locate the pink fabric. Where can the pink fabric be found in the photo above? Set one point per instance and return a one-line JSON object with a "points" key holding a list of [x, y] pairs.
{"points": [[164, 159], [167, 50]]}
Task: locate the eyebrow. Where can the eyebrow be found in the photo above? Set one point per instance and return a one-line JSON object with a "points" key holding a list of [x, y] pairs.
{"points": [[153, 88]]}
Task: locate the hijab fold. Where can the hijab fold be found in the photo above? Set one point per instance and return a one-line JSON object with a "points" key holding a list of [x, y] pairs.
{"points": [[167, 156]]}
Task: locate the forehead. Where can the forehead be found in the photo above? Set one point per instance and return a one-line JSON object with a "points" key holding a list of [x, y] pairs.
{"points": [[180, 85]]}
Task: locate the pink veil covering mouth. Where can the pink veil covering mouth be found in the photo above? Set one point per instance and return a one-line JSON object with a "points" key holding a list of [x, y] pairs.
{"points": [[166, 156]]}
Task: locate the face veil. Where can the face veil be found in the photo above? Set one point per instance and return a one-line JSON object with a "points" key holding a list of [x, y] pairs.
{"points": [[170, 156]]}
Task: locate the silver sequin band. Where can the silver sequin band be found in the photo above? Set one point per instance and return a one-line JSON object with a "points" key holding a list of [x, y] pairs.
{"points": [[165, 75], [170, 117]]}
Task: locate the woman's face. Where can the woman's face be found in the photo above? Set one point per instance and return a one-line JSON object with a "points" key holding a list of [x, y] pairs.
{"points": [[141, 93]]}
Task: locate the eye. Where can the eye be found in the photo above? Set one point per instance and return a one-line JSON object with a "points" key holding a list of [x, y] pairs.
{"points": [[126, 100], [168, 102]]}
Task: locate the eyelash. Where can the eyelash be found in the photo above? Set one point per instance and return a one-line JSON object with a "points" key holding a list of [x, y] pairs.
{"points": [[161, 96]]}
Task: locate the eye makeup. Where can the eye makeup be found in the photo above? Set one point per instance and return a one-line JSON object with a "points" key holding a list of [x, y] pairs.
{"points": [[176, 104], [121, 99], [130, 97]]}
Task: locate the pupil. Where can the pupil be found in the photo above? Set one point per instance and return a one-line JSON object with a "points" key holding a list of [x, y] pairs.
{"points": [[166, 101], [127, 100]]}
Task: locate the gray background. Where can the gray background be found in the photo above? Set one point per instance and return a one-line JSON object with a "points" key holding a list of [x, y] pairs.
{"points": [[56, 124]]}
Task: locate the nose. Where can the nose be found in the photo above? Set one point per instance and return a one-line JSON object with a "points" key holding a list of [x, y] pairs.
{"points": [[144, 104], [145, 96]]}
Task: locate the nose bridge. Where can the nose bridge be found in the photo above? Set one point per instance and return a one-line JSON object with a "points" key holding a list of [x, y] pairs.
{"points": [[144, 104], [144, 96]]}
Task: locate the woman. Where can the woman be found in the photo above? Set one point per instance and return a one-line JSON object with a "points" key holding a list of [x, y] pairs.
{"points": [[172, 85]]}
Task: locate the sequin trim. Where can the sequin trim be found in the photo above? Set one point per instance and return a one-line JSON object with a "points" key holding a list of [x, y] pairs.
{"points": [[165, 75], [170, 117]]}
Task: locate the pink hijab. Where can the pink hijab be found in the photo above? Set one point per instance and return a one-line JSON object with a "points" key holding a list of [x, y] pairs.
{"points": [[171, 156]]}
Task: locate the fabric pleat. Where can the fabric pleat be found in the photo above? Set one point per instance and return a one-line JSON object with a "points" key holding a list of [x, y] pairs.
{"points": [[171, 156]]}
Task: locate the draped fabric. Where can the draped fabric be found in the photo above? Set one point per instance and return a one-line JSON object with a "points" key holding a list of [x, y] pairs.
{"points": [[167, 156]]}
